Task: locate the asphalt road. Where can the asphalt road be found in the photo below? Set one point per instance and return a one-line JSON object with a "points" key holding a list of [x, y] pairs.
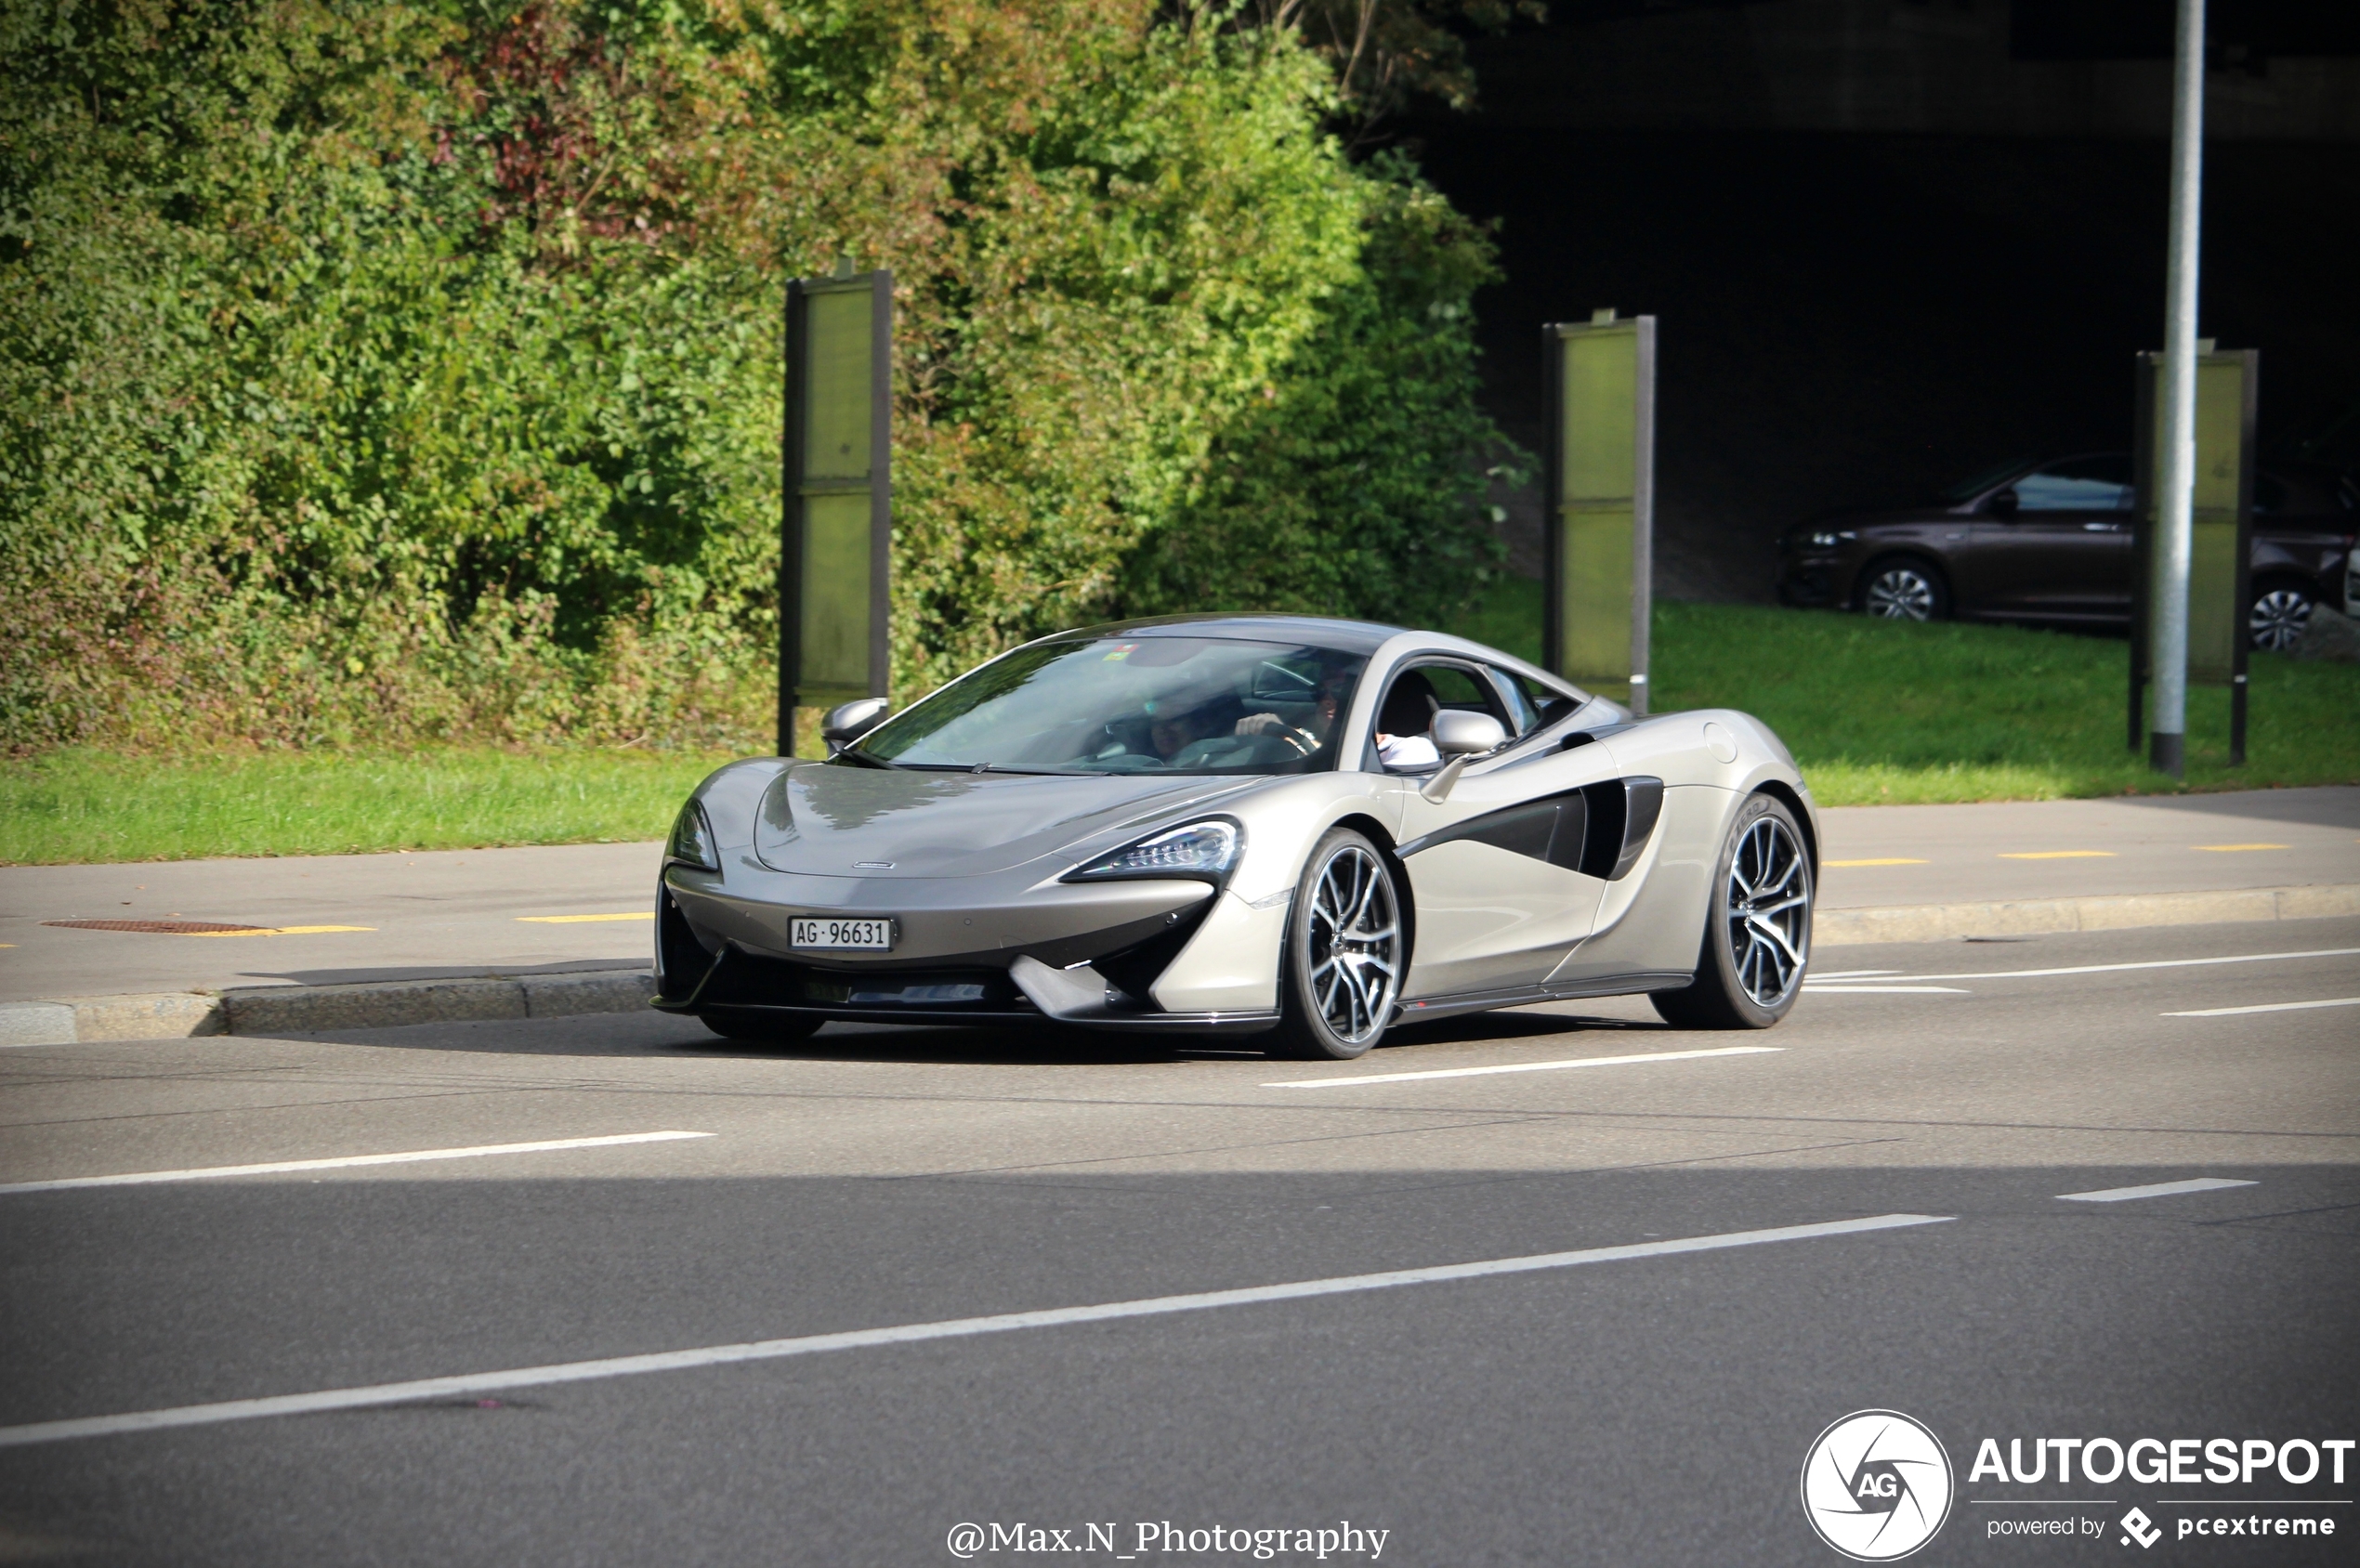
{"points": [[1643, 1407], [328, 918]]}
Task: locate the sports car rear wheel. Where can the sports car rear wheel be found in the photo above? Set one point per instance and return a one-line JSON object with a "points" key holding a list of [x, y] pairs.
{"points": [[759, 1025], [1344, 952], [1757, 934]]}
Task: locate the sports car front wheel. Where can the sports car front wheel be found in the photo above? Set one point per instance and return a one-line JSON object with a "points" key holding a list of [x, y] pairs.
{"points": [[1344, 953], [1757, 933]]}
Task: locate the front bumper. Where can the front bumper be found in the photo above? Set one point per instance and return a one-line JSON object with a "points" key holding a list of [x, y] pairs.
{"points": [[1005, 950], [1810, 582]]}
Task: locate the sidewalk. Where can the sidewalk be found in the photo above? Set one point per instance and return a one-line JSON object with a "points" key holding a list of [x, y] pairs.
{"points": [[427, 930]]}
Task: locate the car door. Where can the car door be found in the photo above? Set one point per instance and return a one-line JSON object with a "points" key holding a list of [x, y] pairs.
{"points": [[1494, 866], [2057, 543]]}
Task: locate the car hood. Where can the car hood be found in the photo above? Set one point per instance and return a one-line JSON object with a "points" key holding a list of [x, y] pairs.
{"points": [[835, 821]]}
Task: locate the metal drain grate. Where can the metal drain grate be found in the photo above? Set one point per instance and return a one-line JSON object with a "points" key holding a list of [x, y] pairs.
{"points": [[162, 928]]}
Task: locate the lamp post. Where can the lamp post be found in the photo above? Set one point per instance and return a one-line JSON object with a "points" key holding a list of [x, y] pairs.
{"points": [[2169, 624]]}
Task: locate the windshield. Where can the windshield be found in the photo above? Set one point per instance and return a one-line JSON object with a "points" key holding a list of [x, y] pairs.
{"points": [[1132, 705]]}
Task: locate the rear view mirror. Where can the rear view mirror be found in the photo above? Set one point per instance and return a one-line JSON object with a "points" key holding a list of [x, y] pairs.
{"points": [[848, 722]]}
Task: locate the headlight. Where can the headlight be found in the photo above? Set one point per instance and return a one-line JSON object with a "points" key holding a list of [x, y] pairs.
{"points": [[1828, 539], [1204, 850], [692, 840]]}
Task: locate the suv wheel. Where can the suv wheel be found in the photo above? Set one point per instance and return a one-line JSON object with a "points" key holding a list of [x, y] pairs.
{"points": [[1903, 590], [2280, 612]]}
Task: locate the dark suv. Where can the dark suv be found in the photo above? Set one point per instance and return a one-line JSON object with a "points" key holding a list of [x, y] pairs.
{"points": [[2051, 542]]}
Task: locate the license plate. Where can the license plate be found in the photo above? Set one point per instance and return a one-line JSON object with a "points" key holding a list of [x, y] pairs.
{"points": [[875, 936]]}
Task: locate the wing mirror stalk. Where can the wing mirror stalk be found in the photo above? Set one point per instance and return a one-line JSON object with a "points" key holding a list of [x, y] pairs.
{"points": [[848, 722], [1463, 738]]}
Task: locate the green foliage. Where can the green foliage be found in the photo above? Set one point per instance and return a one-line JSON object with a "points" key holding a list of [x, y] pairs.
{"points": [[371, 371]]}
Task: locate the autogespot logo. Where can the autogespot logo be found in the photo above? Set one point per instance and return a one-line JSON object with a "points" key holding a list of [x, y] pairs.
{"points": [[1876, 1486]]}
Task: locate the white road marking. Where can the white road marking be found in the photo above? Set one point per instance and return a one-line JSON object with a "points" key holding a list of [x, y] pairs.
{"points": [[2266, 1007], [1845, 975], [1848, 989], [912, 1333], [141, 1178], [584, 920], [2150, 964], [1528, 1066], [2160, 1189]]}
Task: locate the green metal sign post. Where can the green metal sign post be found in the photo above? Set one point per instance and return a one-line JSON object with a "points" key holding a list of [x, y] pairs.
{"points": [[2221, 545], [1598, 512], [835, 548]]}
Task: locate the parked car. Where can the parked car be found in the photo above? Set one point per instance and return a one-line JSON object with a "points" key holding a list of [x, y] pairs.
{"points": [[2050, 543]]}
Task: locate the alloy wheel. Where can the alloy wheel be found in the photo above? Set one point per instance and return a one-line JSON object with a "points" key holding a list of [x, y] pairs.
{"points": [[2279, 618], [1356, 945], [1769, 912], [1900, 593]]}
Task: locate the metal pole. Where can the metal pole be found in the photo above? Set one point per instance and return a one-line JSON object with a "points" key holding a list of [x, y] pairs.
{"points": [[2168, 665]]}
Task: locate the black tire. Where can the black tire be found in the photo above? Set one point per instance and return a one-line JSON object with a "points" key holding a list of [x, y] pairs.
{"points": [[757, 1026], [1903, 588], [1757, 934], [1347, 952], [2281, 608]]}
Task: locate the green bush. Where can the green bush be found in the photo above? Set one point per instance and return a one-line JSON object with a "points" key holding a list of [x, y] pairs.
{"points": [[388, 373]]}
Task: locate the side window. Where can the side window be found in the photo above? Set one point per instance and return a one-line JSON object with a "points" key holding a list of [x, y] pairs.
{"points": [[1454, 687], [2080, 484], [1417, 694], [1523, 712], [1547, 704]]}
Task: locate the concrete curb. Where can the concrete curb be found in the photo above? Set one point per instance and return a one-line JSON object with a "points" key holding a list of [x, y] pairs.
{"points": [[267, 1010], [2041, 916]]}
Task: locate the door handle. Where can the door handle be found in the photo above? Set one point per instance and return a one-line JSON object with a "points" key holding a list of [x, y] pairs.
{"points": [[2102, 528]]}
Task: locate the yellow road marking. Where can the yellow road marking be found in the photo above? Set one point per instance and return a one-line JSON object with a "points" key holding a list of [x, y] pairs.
{"points": [[577, 920], [1895, 861], [2061, 854], [277, 930], [2233, 848]]}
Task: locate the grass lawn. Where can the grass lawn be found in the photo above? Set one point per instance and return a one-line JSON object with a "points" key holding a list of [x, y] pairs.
{"points": [[82, 805], [1876, 711], [1891, 712]]}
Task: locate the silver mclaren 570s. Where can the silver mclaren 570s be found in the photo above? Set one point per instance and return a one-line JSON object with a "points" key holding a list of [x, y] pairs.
{"points": [[1304, 829]]}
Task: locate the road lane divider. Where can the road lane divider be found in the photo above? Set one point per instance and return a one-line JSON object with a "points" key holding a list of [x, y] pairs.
{"points": [[1529, 1068], [479, 1383], [345, 1162], [280, 930], [2237, 848], [2057, 854], [2157, 1189], [1853, 988], [2144, 963], [2265, 1007]]}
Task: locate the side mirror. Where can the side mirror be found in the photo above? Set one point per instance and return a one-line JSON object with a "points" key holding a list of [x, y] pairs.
{"points": [[1461, 734], [1461, 737], [2002, 503], [848, 722]]}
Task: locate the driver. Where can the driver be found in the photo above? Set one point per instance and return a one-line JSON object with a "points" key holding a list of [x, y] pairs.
{"points": [[1309, 736]]}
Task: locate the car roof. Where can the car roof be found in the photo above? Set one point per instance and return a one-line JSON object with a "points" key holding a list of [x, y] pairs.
{"points": [[1318, 631]]}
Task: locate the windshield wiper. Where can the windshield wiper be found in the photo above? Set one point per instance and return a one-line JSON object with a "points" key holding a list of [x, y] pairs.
{"points": [[1041, 772]]}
